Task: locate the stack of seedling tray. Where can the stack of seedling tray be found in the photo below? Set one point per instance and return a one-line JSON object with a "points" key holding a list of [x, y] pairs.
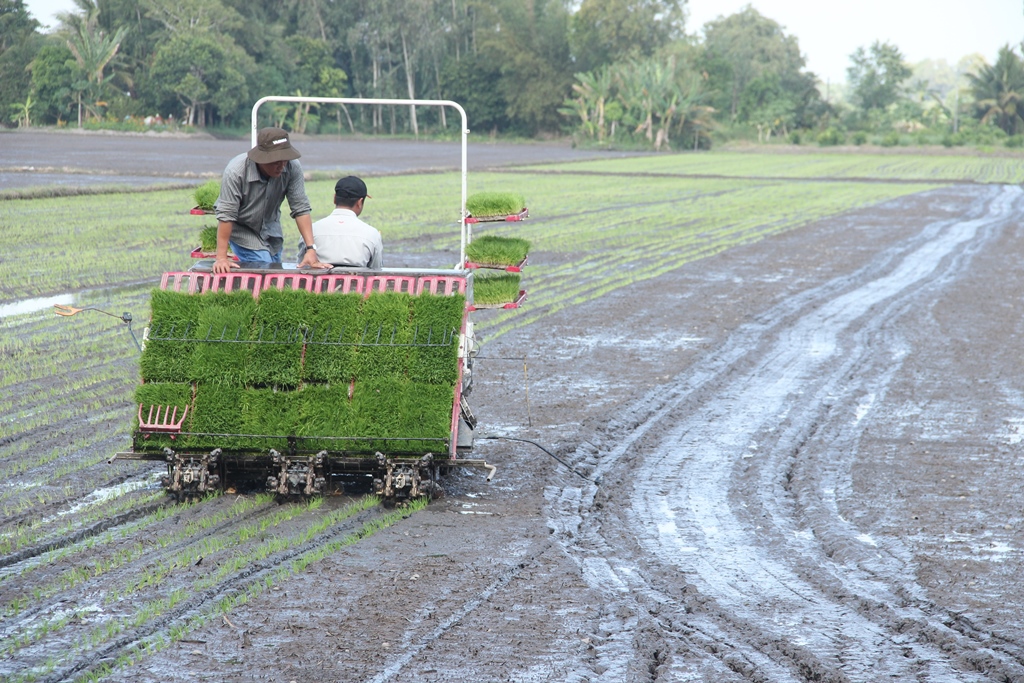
{"points": [[302, 371], [205, 197], [498, 260]]}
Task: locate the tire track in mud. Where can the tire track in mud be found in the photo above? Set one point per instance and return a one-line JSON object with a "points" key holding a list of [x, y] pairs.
{"points": [[410, 652], [710, 559]]}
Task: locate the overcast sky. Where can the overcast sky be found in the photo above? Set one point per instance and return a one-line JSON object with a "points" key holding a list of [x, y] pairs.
{"points": [[830, 30]]}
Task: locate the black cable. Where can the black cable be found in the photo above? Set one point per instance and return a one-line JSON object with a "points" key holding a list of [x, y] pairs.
{"points": [[534, 443]]}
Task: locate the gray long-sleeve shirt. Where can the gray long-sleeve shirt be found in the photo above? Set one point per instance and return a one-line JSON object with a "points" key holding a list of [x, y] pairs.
{"points": [[253, 203]]}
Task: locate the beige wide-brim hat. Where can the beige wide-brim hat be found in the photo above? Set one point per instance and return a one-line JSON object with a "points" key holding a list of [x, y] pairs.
{"points": [[272, 145]]}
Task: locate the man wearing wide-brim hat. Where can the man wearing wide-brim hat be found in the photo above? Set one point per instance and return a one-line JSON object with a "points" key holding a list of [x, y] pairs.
{"points": [[249, 206]]}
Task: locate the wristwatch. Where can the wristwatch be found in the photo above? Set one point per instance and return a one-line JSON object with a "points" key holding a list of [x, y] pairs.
{"points": [[311, 246]]}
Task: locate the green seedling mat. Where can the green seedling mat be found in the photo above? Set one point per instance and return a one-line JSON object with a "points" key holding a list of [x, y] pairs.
{"points": [[497, 250], [496, 289], [206, 195], [335, 318], [326, 410], [218, 410], [208, 238], [434, 317], [491, 204], [270, 412], [386, 324], [174, 314], [227, 317], [282, 318]]}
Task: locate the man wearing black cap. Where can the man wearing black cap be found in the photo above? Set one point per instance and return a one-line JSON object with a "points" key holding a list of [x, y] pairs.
{"points": [[342, 239], [249, 207]]}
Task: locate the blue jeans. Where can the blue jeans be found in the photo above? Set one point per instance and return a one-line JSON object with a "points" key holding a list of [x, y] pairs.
{"points": [[255, 255]]}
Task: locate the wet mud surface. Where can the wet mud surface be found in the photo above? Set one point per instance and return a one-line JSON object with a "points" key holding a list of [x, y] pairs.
{"points": [[797, 460], [30, 158]]}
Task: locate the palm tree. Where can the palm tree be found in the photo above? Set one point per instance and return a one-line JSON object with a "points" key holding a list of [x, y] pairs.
{"points": [[999, 90], [93, 50]]}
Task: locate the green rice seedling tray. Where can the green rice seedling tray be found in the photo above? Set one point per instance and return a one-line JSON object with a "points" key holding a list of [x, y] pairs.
{"points": [[216, 417], [502, 253], [514, 268], [497, 288], [385, 335], [222, 353], [205, 196], [494, 206], [280, 314], [324, 411], [333, 335], [270, 412], [208, 238], [208, 241], [436, 319], [171, 342]]}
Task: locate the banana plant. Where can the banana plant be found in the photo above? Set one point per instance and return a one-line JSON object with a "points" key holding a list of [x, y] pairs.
{"points": [[593, 93]]}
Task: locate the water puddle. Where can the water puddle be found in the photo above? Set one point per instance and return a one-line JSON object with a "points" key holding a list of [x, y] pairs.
{"points": [[36, 304], [864, 407], [467, 510], [867, 540], [26, 306], [109, 493], [661, 342], [1014, 433]]}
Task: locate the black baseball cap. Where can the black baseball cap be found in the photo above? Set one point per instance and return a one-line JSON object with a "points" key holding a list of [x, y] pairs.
{"points": [[350, 187]]}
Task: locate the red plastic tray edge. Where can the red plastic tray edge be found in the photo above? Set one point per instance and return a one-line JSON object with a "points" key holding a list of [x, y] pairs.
{"points": [[199, 253], [517, 268], [511, 304], [511, 218]]}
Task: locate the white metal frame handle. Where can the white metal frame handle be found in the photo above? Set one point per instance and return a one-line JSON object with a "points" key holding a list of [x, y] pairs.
{"points": [[465, 230]]}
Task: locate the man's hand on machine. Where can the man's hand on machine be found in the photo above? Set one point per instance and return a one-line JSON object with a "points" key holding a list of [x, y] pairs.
{"points": [[311, 260], [224, 264]]}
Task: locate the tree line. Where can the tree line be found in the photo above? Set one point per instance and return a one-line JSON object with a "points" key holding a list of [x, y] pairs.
{"points": [[608, 71]]}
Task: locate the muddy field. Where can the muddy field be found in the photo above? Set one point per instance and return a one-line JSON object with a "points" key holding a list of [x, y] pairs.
{"points": [[794, 461], [76, 158]]}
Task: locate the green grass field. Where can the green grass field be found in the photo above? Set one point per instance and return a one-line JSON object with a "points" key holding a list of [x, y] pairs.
{"points": [[903, 166], [68, 244]]}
